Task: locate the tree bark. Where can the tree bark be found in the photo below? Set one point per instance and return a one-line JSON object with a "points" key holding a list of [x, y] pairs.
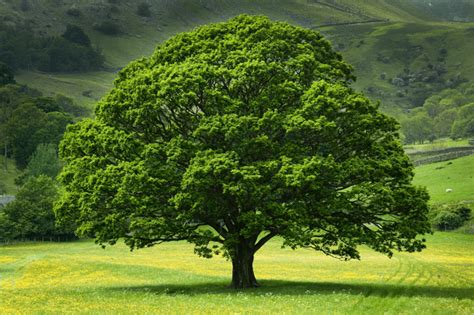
{"points": [[242, 267]]}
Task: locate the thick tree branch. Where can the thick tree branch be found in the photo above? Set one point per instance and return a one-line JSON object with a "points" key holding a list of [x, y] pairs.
{"points": [[263, 240]]}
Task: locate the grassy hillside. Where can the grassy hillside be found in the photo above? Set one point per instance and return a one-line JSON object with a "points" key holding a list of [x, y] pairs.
{"points": [[81, 277], [402, 51], [380, 38], [457, 175]]}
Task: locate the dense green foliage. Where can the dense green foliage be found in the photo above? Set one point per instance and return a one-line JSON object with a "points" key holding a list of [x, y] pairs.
{"points": [[247, 127], [76, 35], [20, 48], [6, 75], [449, 216], [30, 216], [28, 119], [449, 113], [44, 161]]}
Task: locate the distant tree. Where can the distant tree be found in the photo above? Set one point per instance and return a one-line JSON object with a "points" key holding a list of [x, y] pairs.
{"points": [[464, 125], [30, 126], [418, 128], [143, 9], [44, 161], [24, 5], [248, 129], [76, 35], [31, 214], [108, 28], [8, 229], [21, 129], [444, 121], [6, 75], [74, 12], [61, 55]]}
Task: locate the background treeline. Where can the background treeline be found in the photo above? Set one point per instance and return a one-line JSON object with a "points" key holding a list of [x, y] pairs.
{"points": [[449, 113], [20, 48], [27, 119], [31, 126]]}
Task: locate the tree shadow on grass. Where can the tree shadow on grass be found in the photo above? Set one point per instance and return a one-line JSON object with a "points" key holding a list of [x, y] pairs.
{"points": [[279, 287]]}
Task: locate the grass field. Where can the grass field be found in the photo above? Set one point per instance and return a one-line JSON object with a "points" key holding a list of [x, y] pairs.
{"points": [[80, 277], [457, 175]]}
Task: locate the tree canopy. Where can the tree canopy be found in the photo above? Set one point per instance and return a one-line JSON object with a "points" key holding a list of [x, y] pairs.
{"points": [[235, 133]]}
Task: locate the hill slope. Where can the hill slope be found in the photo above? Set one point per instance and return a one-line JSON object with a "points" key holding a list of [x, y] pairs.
{"points": [[386, 41]]}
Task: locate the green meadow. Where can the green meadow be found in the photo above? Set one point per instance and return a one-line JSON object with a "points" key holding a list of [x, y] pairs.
{"points": [[457, 175], [81, 277]]}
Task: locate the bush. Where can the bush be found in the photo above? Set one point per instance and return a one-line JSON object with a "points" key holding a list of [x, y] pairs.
{"points": [[143, 9], [464, 213], [447, 220], [108, 28], [449, 217], [74, 12], [76, 35], [20, 49], [61, 55], [6, 75]]}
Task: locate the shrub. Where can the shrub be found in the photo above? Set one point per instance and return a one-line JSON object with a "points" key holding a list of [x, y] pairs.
{"points": [[464, 213], [6, 74], [76, 35], [108, 28], [61, 55], [449, 217], [143, 9], [447, 220], [74, 12]]}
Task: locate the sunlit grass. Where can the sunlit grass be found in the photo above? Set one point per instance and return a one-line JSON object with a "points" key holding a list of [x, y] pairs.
{"points": [[81, 277]]}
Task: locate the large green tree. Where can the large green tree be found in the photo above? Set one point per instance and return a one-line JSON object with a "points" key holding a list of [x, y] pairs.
{"points": [[235, 133]]}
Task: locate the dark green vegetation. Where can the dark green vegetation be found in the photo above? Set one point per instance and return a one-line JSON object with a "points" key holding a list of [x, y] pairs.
{"points": [[21, 48], [28, 119], [30, 216], [31, 127], [79, 277], [449, 113], [248, 128]]}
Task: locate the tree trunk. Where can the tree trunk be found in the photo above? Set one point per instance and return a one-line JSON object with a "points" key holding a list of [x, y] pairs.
{"points": [[242, 267]]}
